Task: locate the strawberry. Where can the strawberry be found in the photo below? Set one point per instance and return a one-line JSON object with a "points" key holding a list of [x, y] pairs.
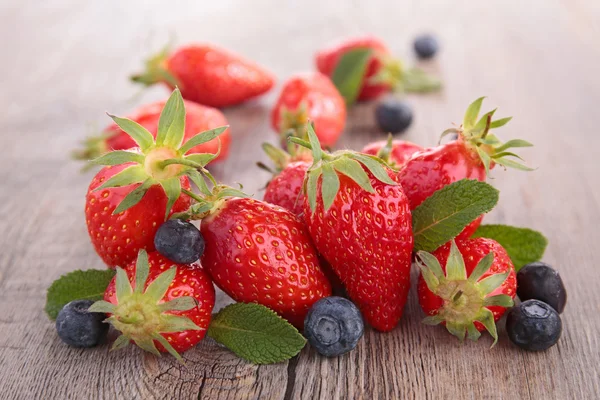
{"points": [[198, 118], [258, 252], [207, 75], [471, 156], [310, 96], [466, 285], [160, 306], [383, 73], [360, 222], [394, 152], [129, 199]]}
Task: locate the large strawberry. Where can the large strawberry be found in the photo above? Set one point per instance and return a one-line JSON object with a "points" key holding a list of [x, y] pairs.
{"points": [[258, 252], [129, 199], [198, 118], [208, 75], [383, 72], [471, 156], [360, 221], [394, 152], [158, 305], [310, 96], [467, 285]]}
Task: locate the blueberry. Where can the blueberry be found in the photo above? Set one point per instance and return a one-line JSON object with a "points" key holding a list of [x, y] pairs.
{"points": [[393, 116], [426, 46], [539, 281], [179, 241], [533, 325], [333, 326], [79, 328]]}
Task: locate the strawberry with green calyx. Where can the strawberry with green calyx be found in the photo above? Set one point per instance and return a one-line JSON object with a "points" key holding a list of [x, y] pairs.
{"points": [[466, 285], [139, 188], [393, 152], [471, 156], [360, 222], [160, 306]]}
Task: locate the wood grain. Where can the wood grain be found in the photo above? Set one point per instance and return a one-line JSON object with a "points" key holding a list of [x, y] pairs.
{"points": [[65, 64]]}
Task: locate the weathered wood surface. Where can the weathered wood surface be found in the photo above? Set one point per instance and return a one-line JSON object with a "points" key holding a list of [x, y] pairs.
{"points": [[66, 62]]}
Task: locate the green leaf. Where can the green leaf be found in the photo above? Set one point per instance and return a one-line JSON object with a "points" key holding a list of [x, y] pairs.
{"points": [[128, 176], [138, 133], [455, 266], [256, 333], [118, 157], [353, 170], [172, 188], [512, 164], [501, 300], [349, 73], [375, 166], [491, 283], [202, 159], [102, 306], [179, 304], [311, 187], [201, 138], [122, 284], [485, 159], [512, 144], [120, 342], [77, 285], [315, 145], [134, 196], [330, 185], [500, 122], [416, 80], [165, 343], [177, 323], [523, 245], [448, 211], [142, 270], [198, 180], [171, 125], [482, 267], [471, 114], [158, 287]]}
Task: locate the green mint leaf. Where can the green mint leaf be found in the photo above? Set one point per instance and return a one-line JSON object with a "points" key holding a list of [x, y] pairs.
{"points": [[349, 73], [445, 214], [523, 245], [77, 285], [256, 333]]}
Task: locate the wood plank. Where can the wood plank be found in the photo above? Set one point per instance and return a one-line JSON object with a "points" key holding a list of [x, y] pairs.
{"points": [[535, 60]]}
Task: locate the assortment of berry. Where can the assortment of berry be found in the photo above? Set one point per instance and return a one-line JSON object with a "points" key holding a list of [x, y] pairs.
{"points": [[331, 222]]}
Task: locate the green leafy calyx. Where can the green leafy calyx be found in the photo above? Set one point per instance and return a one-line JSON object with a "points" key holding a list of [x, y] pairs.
{"points": [[475, 133], [256, 333], [465, 298], [141, 315], [161, 161], [156, 70], [328, 166], [394, 74], [281, 158]]}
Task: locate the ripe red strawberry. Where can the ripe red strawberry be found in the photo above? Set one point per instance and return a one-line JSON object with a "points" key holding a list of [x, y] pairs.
{"points": [[383, 72], [394, 152], [128, 200], [258, 252], [310, 96], [198, 118], [161, 306], [360, 222], [471, 156], [208, 75], [467, 285]]}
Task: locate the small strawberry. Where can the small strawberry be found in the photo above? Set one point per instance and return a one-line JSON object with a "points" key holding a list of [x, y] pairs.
{"points": [[310, 96], [198, 118], [160, 306], [466, 285], [258, 252], [129, 199], [207, 75], [285, 188], [471, 156], [394, 152], [383, 72], [360, 222]]}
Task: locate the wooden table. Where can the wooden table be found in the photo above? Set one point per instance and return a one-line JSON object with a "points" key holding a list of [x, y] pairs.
{"points": [[65, 63]]}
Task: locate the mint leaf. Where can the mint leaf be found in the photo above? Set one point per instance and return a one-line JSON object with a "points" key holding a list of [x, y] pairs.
{"points": [[349, 73], [523, 245], [445, 213], [256, 333], [77, 285]]}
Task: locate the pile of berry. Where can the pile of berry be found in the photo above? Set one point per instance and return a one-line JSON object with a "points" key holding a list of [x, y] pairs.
{"points": [[331, 222]]}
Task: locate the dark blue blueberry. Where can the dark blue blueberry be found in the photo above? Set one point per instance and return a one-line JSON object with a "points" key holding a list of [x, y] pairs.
{"points": [[333, 326], [540, 281], [79, 328], [426, 46], [393, 115], [533, 325], [179, 241]]}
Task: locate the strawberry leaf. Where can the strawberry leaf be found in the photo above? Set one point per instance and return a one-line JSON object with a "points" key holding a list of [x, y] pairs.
{"points": [[448, 211], [256, 333], [171, 124], [138, 133], [349, 73], [77, 285], [523, 245]]}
